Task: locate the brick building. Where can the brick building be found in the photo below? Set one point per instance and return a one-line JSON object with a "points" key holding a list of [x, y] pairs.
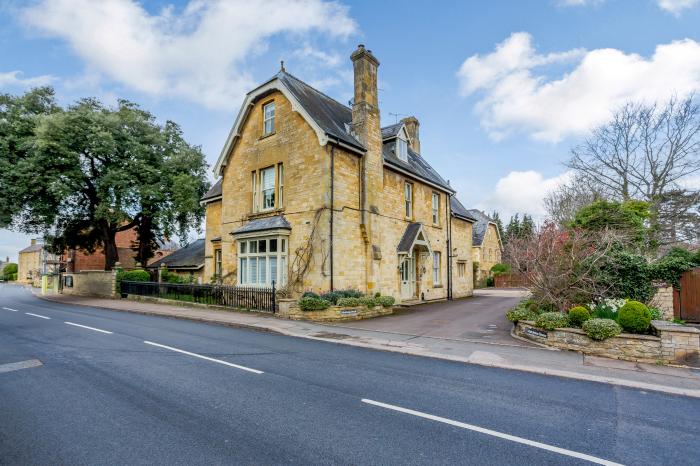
{"points": [[315, 195]]}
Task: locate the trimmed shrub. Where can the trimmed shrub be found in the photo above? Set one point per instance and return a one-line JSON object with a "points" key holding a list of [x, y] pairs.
{"points": [[9, 272], [500, 268], [310, 294], [133, 276], [634, 317], [552, 320], [369, 301], [349, 302], [334, 296], [578, 315], [519, 313], [601, 329], [310, 303], [386, 301]]}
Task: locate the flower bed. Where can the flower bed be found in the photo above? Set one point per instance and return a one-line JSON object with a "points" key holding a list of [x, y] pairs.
{"points": [[289, 309]]}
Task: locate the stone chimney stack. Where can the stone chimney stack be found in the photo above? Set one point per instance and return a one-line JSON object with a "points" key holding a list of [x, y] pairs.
{"points": [[365, 122], [366, 128], [412, 126]]}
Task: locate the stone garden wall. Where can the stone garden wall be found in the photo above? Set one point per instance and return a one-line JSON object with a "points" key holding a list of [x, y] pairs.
{"points": [[91, 283], [663, 300], [672, 343], [289, 309]]}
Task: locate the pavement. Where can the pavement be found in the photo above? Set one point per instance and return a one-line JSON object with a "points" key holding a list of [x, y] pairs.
{"points": [[503, 352], [88, 385]]}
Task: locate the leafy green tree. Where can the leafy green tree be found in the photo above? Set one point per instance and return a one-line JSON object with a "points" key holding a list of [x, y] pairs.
{"points": [[513, 228], [629, 218], [527, 226], [499, 224], [9, 271], [82, 174]]}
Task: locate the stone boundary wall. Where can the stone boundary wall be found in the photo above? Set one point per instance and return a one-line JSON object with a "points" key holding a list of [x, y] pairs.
{"points": [[673, 343], [91, 283], [663, 300], [289, 309]]}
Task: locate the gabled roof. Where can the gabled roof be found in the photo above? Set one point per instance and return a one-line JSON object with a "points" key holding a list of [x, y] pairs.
{"points": [[262, 224], [413, 235], [391, 131], [213, 193], [189, 257], [332, 116], [32, 248], [459, 211], [481, 226], [332, 121], [415, 166]]}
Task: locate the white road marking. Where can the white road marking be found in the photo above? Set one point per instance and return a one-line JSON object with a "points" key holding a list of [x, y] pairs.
{"points": [[512, 438], [225, 363], [89, 328], [15, 366], [37, 315], [10, 309]]}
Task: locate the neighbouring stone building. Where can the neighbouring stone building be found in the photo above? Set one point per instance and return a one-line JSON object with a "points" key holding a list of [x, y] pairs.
{"points": [[486, 244], [187, 262], [315, 195], [32, 263]]}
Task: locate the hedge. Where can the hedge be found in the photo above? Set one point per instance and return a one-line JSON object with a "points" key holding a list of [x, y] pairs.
{"points": [[519, 313], [133, 276], [578, 315]]}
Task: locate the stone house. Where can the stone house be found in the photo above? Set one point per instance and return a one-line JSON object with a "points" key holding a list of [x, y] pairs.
{"points": [[31, 263], [487, 246], [187, 262], [316, 195]]}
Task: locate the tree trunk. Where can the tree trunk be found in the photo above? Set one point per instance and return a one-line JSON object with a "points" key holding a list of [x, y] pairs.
{"points": [[109, 244]]}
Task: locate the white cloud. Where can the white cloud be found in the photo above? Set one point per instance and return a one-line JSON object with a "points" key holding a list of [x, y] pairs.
{"points": [[198, 53], [676, 7], [13, 79], [522, 192], [517, 95]]}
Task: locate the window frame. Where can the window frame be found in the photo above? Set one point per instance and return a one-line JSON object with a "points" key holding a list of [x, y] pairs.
{"points": [[436, 207], [402, 148], [408, 199], [270, 169], [249, 275], [437, 268], [218, 263], [461, 269], [280, 185], [267, 118]]}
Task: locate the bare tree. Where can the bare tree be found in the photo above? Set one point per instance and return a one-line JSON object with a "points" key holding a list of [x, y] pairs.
{"points": [[563, 202], [642, 153], [561, 265]]}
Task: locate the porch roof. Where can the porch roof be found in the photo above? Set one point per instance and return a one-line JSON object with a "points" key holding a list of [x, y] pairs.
{"points": [[413, 235]]}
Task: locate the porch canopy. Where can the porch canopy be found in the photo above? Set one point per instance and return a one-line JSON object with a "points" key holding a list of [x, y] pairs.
{"points": [[414, 238]]}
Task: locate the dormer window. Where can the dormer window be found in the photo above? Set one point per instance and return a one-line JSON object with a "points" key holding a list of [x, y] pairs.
{"points": [[402, 148], [268, 118]]}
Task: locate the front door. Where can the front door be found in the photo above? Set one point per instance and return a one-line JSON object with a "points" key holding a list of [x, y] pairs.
{"points": [[408, 278]]}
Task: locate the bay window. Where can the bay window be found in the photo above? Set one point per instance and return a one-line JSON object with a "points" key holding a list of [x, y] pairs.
{"points": [[262, 261]]}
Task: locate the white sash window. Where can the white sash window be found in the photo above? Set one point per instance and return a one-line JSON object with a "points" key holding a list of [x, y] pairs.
{"points": [[267, 186]]}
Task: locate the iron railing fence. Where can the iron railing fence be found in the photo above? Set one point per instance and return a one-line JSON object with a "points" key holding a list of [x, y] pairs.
{"points": [[239, 297]]}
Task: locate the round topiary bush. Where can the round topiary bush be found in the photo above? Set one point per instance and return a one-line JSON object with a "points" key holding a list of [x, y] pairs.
{"points": [[519, 313], [552, 320], [578, 315], [634, 317], [600, 329]]}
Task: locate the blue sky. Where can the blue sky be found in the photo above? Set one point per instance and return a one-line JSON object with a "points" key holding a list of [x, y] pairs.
{"points": [[502, 89]]}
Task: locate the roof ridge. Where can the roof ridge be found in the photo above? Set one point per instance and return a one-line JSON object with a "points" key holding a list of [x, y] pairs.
{"points": [[314, 89]]}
